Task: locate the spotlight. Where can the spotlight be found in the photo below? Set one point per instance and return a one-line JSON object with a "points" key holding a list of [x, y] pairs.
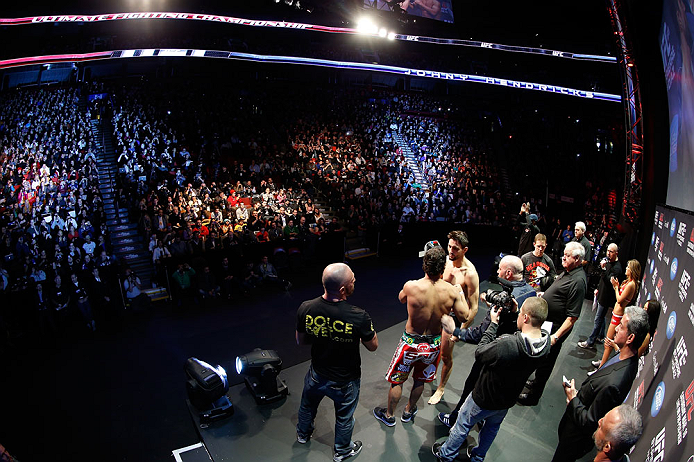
{"points": [[391, 35], [207, 387], [261, 368], [382, 32]]}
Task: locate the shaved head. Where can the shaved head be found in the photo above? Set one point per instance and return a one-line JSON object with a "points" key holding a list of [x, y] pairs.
{"points": [[335, 276]]}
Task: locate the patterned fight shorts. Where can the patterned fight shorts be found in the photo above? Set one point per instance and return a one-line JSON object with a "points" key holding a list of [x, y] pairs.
{"points": [[420, 352]]}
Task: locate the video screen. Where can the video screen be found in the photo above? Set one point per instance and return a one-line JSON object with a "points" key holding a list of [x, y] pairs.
{"points": [[440, 10], [676, 40]]}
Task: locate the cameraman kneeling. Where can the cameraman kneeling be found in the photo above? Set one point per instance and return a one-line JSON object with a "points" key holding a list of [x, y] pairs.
{"points": [[511, 279]]}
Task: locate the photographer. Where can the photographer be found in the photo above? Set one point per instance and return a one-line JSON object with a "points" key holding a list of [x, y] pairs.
{"points": [[507, 362], [514, 287], [132, 285]]}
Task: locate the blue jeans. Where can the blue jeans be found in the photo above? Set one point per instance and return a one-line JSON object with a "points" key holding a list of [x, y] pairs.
{"points": [[468, 416], [345, 396], [598, 326]]}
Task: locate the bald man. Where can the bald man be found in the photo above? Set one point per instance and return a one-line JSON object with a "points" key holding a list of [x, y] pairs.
{"points": [[334, 328]]}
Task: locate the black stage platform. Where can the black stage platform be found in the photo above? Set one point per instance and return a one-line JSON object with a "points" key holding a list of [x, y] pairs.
{"points": [[267, 432], [120, 395]]}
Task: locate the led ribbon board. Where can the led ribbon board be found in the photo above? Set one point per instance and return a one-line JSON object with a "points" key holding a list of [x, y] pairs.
{"points": [[167, 52], [296, 26]]}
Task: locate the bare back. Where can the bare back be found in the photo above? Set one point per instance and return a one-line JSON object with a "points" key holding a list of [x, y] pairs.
{"points": [[427, 301]]}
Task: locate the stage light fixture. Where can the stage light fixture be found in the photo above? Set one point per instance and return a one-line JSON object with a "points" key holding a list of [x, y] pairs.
{"points": [[207, 388], [261, 369]]}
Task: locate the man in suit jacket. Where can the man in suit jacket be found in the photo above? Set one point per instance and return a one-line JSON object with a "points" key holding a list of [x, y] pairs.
{"points": [[602, 391]]}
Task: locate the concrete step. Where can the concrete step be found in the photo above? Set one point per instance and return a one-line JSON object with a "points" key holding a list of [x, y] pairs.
{"points": [[129, 240], [116, 221], [123, 227], [123, 234]]}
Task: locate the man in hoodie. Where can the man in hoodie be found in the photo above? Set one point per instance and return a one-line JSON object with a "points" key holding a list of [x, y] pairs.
{"points": [[507, 362], [510, 274]]}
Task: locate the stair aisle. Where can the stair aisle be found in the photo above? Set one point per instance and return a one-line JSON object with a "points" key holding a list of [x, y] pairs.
{"points": [[411, 159], [128, 245]]}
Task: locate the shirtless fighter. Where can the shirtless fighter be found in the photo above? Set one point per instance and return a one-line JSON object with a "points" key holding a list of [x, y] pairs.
{"points": [[427, 299], [459, 271]]}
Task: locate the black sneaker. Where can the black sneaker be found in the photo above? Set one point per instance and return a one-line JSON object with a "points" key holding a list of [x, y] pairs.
{"points": [[356, 449], [445, 419], [435, 450], [408, 416], [380, 414]]}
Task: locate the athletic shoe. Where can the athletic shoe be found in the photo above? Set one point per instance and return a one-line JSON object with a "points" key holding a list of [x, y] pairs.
{"points": [[445, 419], [380, 414], [596, 363], [585, 345], [408, 416], [592, 372], [302, 439], [600, 340], [356, 449], [435, 450]]}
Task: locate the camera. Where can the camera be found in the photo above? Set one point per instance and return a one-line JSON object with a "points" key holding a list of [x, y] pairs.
{"points": [[500, 298]]}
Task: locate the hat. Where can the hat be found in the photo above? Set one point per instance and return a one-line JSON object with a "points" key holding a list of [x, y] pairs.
{"points": [[427, 246], [533, 217]]}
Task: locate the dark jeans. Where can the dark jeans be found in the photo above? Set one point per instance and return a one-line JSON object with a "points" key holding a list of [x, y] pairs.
{"points": [[598, 325], [345, 395], [469, 386], [471, 414]]}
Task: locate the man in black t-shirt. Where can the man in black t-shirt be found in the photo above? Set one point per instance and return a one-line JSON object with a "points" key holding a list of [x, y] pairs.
{"points": [[564, 300], [334, 328], [605, 295], [538, 268], [580, 237]]}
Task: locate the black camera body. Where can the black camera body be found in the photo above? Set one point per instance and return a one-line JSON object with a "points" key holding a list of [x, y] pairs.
{"points": [[502, 299]]}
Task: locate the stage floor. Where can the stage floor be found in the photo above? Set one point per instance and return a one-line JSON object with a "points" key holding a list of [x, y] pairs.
{"points": [[267, 432]]}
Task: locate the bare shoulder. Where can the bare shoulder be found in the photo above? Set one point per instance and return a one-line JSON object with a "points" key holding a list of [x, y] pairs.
{"points": [[470, 271], [412, 284]]}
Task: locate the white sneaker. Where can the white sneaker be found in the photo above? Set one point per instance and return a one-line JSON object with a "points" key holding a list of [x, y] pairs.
{"points": [[592, 372], [596, 363]]}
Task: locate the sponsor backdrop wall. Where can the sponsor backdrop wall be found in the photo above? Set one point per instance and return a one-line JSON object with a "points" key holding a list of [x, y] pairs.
{"points": [[663, 390]]}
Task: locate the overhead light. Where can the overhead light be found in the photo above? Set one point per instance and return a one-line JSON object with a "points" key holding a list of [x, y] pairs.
{"points": [[382, 32], [391, 36]]}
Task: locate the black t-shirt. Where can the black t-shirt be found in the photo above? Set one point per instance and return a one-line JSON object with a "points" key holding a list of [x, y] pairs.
{"points": [[587, 247], [606, 296], [565, 297], [536, 268], [335, 330]]}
